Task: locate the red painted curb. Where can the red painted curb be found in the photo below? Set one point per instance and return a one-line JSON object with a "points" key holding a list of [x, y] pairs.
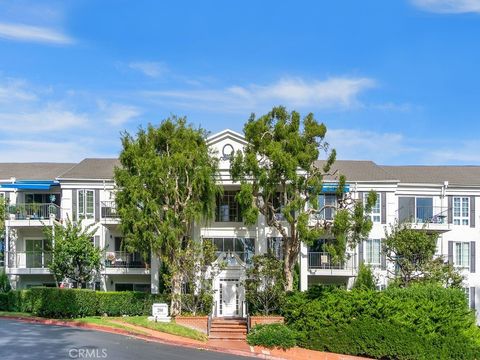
{"points": [[117, 331]]}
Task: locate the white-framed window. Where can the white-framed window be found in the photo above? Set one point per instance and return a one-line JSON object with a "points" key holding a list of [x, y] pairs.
{"points": [[373, 248], [467, 295], [375, 213], [327, 204], [461, 210], [86, 204], [461, 256]]}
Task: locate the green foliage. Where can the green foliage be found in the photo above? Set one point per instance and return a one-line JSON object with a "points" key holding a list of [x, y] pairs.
{"points": [[365, 279], [264, 287], [3, 208], [74, 256], [272, 336], [413, 253], [418, 322], [74, 303], [4, 282], [278, 173], [167, 180], [192, 264]]}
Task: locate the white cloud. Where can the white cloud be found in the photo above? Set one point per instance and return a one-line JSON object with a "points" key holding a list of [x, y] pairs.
{"points": [[466, 152], [337, 92], [28, 33], [14, 90], [449, 6], [352, 144], [150, 68], [54, 151], [118, 114], [51, 118]]}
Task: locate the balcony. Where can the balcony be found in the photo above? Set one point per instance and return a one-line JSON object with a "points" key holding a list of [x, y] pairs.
{"points": [[28, 262], [33, 214], [320, 263], [428, 218], [119, 262], [108, 213]]}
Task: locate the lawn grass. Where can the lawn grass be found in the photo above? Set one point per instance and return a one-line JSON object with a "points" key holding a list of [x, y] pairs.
{"points": [[169, 328]]}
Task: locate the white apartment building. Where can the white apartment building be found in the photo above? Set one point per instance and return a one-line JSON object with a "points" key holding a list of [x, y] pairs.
{"points": [[438, 198]]}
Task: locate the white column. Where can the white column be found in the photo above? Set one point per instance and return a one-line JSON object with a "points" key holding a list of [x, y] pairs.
{"points": [[303, 267], [261, 241], [7, 246], [154, 274]]}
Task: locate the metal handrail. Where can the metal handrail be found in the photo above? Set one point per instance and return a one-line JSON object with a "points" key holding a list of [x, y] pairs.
{"points": [[33, 211], [425, 214], [248, 316], [108, 210]]}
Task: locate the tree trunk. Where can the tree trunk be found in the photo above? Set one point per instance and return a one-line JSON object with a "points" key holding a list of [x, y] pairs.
{"points": [[176, 303], [287, 266]]}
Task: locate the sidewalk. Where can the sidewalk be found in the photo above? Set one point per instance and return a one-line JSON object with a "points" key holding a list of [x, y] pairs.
{"points": [[234, 347]]}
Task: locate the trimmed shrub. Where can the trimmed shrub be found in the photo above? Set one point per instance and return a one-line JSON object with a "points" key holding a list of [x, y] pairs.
{"points": [[74, 303], [272, 336], [4, 302], [126, 303], [420, 322]]}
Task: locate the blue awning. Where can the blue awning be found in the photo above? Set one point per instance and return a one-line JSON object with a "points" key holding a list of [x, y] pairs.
{"points": [[31, 185], [332, 188]]}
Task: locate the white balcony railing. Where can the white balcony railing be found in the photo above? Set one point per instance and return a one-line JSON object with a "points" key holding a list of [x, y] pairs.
{"points": [[33, 211], [29, 259], [323, 260]]}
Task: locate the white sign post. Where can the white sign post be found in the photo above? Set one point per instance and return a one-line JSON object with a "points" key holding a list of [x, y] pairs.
{"points": [[159, 313]]}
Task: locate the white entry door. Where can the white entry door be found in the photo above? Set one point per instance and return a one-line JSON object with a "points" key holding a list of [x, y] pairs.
{"points": [[229, 297]]}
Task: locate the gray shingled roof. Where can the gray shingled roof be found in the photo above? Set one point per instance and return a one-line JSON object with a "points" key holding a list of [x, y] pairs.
{"points": [[460, 175], [33, 171], [358, 171], [92, 169]]}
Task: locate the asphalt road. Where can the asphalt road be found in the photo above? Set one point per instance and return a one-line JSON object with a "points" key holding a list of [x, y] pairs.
{"points": [[21, 340]]}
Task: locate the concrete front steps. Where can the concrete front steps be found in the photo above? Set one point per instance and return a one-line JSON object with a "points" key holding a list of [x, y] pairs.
{"points": [[228, 329]]}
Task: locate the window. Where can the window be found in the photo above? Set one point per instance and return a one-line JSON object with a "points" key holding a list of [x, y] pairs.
{"points": [[462, 255], [326, 204], [461, 210], [227, 209], [372, 251], [132, 287], [86, 204], [375, 213], [243, 247], [275, 246], [417, 210]]}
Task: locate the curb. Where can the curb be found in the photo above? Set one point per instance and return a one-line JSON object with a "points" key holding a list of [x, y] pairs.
{"points": [[37, 320]]}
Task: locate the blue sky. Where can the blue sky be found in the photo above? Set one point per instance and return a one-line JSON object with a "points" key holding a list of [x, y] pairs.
{"points": [[396, 81]]}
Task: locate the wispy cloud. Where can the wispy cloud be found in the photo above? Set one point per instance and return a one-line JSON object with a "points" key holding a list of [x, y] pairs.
{"points": [[51, 118], [14, 90], [29, 33], [50, 151], [150, 68], [449, 6], [336, 92], [118, 114], [368, 145]]}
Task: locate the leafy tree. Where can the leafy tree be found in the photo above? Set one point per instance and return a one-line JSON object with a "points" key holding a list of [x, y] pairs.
{"points": [[413, 253], [264, 287], [365, 279], [166, 182], [196, 269], [74, 255], [279, 173]]}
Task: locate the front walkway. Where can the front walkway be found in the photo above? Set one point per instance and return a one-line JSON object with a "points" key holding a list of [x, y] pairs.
{"points": [[234, 347]]}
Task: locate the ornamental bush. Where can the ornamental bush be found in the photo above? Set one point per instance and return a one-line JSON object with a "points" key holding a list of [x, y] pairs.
{"points": [[272, 336], [74, 303], [419, 322]]}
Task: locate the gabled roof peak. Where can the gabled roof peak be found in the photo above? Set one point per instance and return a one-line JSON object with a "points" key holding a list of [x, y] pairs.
{"points": [[227, 133]]}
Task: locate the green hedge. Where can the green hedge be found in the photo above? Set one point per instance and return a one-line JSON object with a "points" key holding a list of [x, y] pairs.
{"points": [[74, 303], [272, 336], [420, 322]]}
